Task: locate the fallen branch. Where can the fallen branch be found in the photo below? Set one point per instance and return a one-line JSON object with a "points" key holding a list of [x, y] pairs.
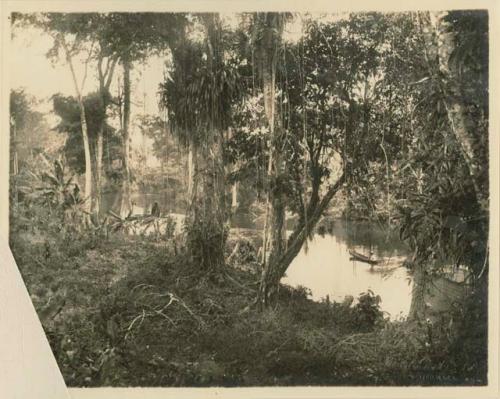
{"points": [[141, 316]]}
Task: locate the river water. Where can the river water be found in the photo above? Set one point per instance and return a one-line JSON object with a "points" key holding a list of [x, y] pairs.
{"points": [[325, 266]]}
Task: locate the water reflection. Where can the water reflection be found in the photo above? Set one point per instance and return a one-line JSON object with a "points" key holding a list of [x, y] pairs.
{"points": [[325, 267]]}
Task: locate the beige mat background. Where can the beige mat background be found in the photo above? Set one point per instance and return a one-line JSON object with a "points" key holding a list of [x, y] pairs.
{"points": [[28, 369]]}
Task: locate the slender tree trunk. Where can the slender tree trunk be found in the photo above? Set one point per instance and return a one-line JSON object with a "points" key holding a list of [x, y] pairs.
{"points": [[83, 122], [98, 171], [190, 172], [15, 163], [234, 187], [194, 181], [126, 205], [88, 165], [234, 195], [265, 232], [387, 185]]}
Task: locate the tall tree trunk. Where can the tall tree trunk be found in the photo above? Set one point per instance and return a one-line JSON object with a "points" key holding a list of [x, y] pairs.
{"points": [[126, 205], [83, 122], [274, 228]]}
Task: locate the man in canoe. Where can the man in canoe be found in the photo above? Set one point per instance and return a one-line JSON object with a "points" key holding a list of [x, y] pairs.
{"points": [[363, 258]]}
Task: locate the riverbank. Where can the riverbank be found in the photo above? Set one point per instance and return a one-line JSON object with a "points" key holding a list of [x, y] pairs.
{"points": [[129, 312]]}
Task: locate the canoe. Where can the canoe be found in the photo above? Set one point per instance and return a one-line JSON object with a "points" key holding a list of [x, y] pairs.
{"points": [[362, 258]]}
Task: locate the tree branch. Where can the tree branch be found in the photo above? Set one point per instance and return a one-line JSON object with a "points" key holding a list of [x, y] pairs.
{"points": [[110, 73]]}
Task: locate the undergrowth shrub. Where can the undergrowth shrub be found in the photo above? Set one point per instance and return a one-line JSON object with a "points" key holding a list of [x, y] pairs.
{"points": [[367, 312]]}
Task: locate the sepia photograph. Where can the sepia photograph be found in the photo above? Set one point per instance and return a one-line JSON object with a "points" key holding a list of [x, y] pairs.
{"points": [[254, 199]]}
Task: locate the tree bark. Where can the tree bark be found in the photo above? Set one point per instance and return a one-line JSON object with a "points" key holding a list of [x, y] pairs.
{"points": [[126, 205]]}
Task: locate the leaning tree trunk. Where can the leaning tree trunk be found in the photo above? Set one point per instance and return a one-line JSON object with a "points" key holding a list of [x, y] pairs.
{"points": [[126, 205], [273, 274]]}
